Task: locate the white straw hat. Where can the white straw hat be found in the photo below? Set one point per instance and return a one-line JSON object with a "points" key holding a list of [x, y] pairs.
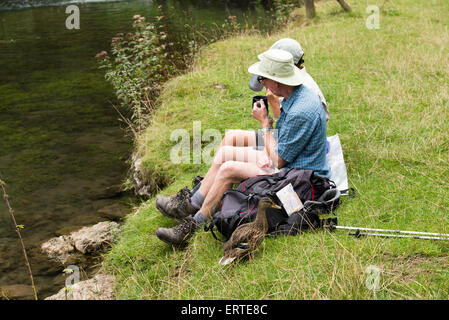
{"points": [[287, 44], [277, 65]]}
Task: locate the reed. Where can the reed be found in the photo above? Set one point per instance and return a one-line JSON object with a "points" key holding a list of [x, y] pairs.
{"points": [[18, 228]]}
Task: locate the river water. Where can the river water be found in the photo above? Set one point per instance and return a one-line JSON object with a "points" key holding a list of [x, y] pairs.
{"points": [[61, 144]]}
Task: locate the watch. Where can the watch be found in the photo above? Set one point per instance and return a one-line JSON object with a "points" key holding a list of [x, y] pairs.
{"points": [[264, 130]]}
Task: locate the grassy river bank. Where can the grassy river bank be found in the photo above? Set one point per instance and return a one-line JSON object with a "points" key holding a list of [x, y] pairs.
{"points": [[387, 91]]}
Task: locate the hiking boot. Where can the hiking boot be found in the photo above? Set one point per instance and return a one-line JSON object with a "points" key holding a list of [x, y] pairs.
{"points": [[176, 207], [178, 235]]}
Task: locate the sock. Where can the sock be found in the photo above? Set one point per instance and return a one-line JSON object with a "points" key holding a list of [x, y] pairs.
{"points": [[197, 200], [199, 218]]}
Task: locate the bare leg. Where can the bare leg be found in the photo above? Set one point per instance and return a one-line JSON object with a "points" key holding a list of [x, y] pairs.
{"points": [[224, 154], [229, 173], [232, 138], [239, 138]]}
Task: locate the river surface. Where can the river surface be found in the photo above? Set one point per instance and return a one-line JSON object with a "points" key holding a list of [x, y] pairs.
{"points": [[61, 143]]}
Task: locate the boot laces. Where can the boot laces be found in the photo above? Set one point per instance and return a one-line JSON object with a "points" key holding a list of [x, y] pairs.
{"points": [[184, 227]]}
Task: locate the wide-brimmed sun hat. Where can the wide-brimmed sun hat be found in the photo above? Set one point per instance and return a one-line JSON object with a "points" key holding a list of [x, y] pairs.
{"points": [[287, 44], [277, 65]]}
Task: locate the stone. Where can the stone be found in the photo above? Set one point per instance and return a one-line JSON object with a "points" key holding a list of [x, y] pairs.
{"points": [[87, 240], [220, 87], [114, 212], [94, 238], [100, 287], [17, 292], [58, 248], [66, 230]]}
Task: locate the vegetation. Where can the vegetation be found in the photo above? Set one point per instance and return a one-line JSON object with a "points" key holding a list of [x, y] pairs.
{"points": [[139, 64], [387, 90], [140, 61]]}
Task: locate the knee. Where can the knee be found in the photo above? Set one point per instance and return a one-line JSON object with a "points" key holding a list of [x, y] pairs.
{"points": [[223, 153], [226, 172]]}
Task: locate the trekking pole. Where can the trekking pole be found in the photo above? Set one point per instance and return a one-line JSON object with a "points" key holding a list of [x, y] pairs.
{"points": [[389, 233], [359, 234], [444, 235]]}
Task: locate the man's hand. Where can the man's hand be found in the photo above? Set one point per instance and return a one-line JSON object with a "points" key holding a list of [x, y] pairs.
{"points": [[263, 161], [260, 114], [273, 101]]}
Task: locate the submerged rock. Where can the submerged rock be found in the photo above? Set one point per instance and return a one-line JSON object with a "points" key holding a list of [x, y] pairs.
{"points": [[100, 287], [87, 240], [110, 192], [17, 292], [115, 212]]}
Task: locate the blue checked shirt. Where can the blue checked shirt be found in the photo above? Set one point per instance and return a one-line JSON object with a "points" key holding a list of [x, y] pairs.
{"points": [[301, 132]]}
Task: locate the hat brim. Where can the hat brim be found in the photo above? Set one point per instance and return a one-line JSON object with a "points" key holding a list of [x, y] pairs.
{"points": [[295, 79]]}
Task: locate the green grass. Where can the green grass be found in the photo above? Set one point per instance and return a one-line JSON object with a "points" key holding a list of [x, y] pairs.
{"points": [[388, 95]]}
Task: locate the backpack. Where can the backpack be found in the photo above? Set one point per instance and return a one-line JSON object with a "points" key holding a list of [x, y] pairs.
{"points": [[239, 205]]}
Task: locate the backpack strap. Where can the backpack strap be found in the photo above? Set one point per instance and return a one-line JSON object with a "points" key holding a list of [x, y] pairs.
{"points": [[328, 202], [248, 183], [348, 192], [210, 227]]}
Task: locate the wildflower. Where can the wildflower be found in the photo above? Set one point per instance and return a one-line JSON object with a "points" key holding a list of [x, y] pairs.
{"points": [[137, 16], [116, 39], [101, 55]]}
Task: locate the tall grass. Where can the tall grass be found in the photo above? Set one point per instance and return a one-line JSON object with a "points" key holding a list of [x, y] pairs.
{"points": [[388, 93]]}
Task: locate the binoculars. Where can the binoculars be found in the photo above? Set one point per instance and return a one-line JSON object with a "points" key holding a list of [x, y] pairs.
{"points": [[257, 99]]}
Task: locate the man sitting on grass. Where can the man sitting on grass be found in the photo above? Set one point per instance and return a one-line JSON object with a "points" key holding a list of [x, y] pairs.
{"points": [[250, 138], [299, 142]]}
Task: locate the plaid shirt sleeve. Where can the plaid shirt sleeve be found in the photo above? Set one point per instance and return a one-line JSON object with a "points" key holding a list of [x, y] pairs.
{"points": [[295, 135]]}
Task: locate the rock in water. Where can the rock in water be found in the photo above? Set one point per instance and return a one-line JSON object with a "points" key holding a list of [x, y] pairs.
{"points": [[114, 212], [110, 192], [58, 248], [86, 240], [94, 238], [100, 287], [17, 292]]}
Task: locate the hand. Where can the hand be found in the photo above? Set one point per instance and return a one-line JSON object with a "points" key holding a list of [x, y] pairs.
{"points": [[263, 160], [260, 113], [273, 101], [271, 95]]}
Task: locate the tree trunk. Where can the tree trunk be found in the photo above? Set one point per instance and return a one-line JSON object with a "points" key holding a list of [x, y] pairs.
{"points": [[268, 4], [344, 5], [310, 8]]}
